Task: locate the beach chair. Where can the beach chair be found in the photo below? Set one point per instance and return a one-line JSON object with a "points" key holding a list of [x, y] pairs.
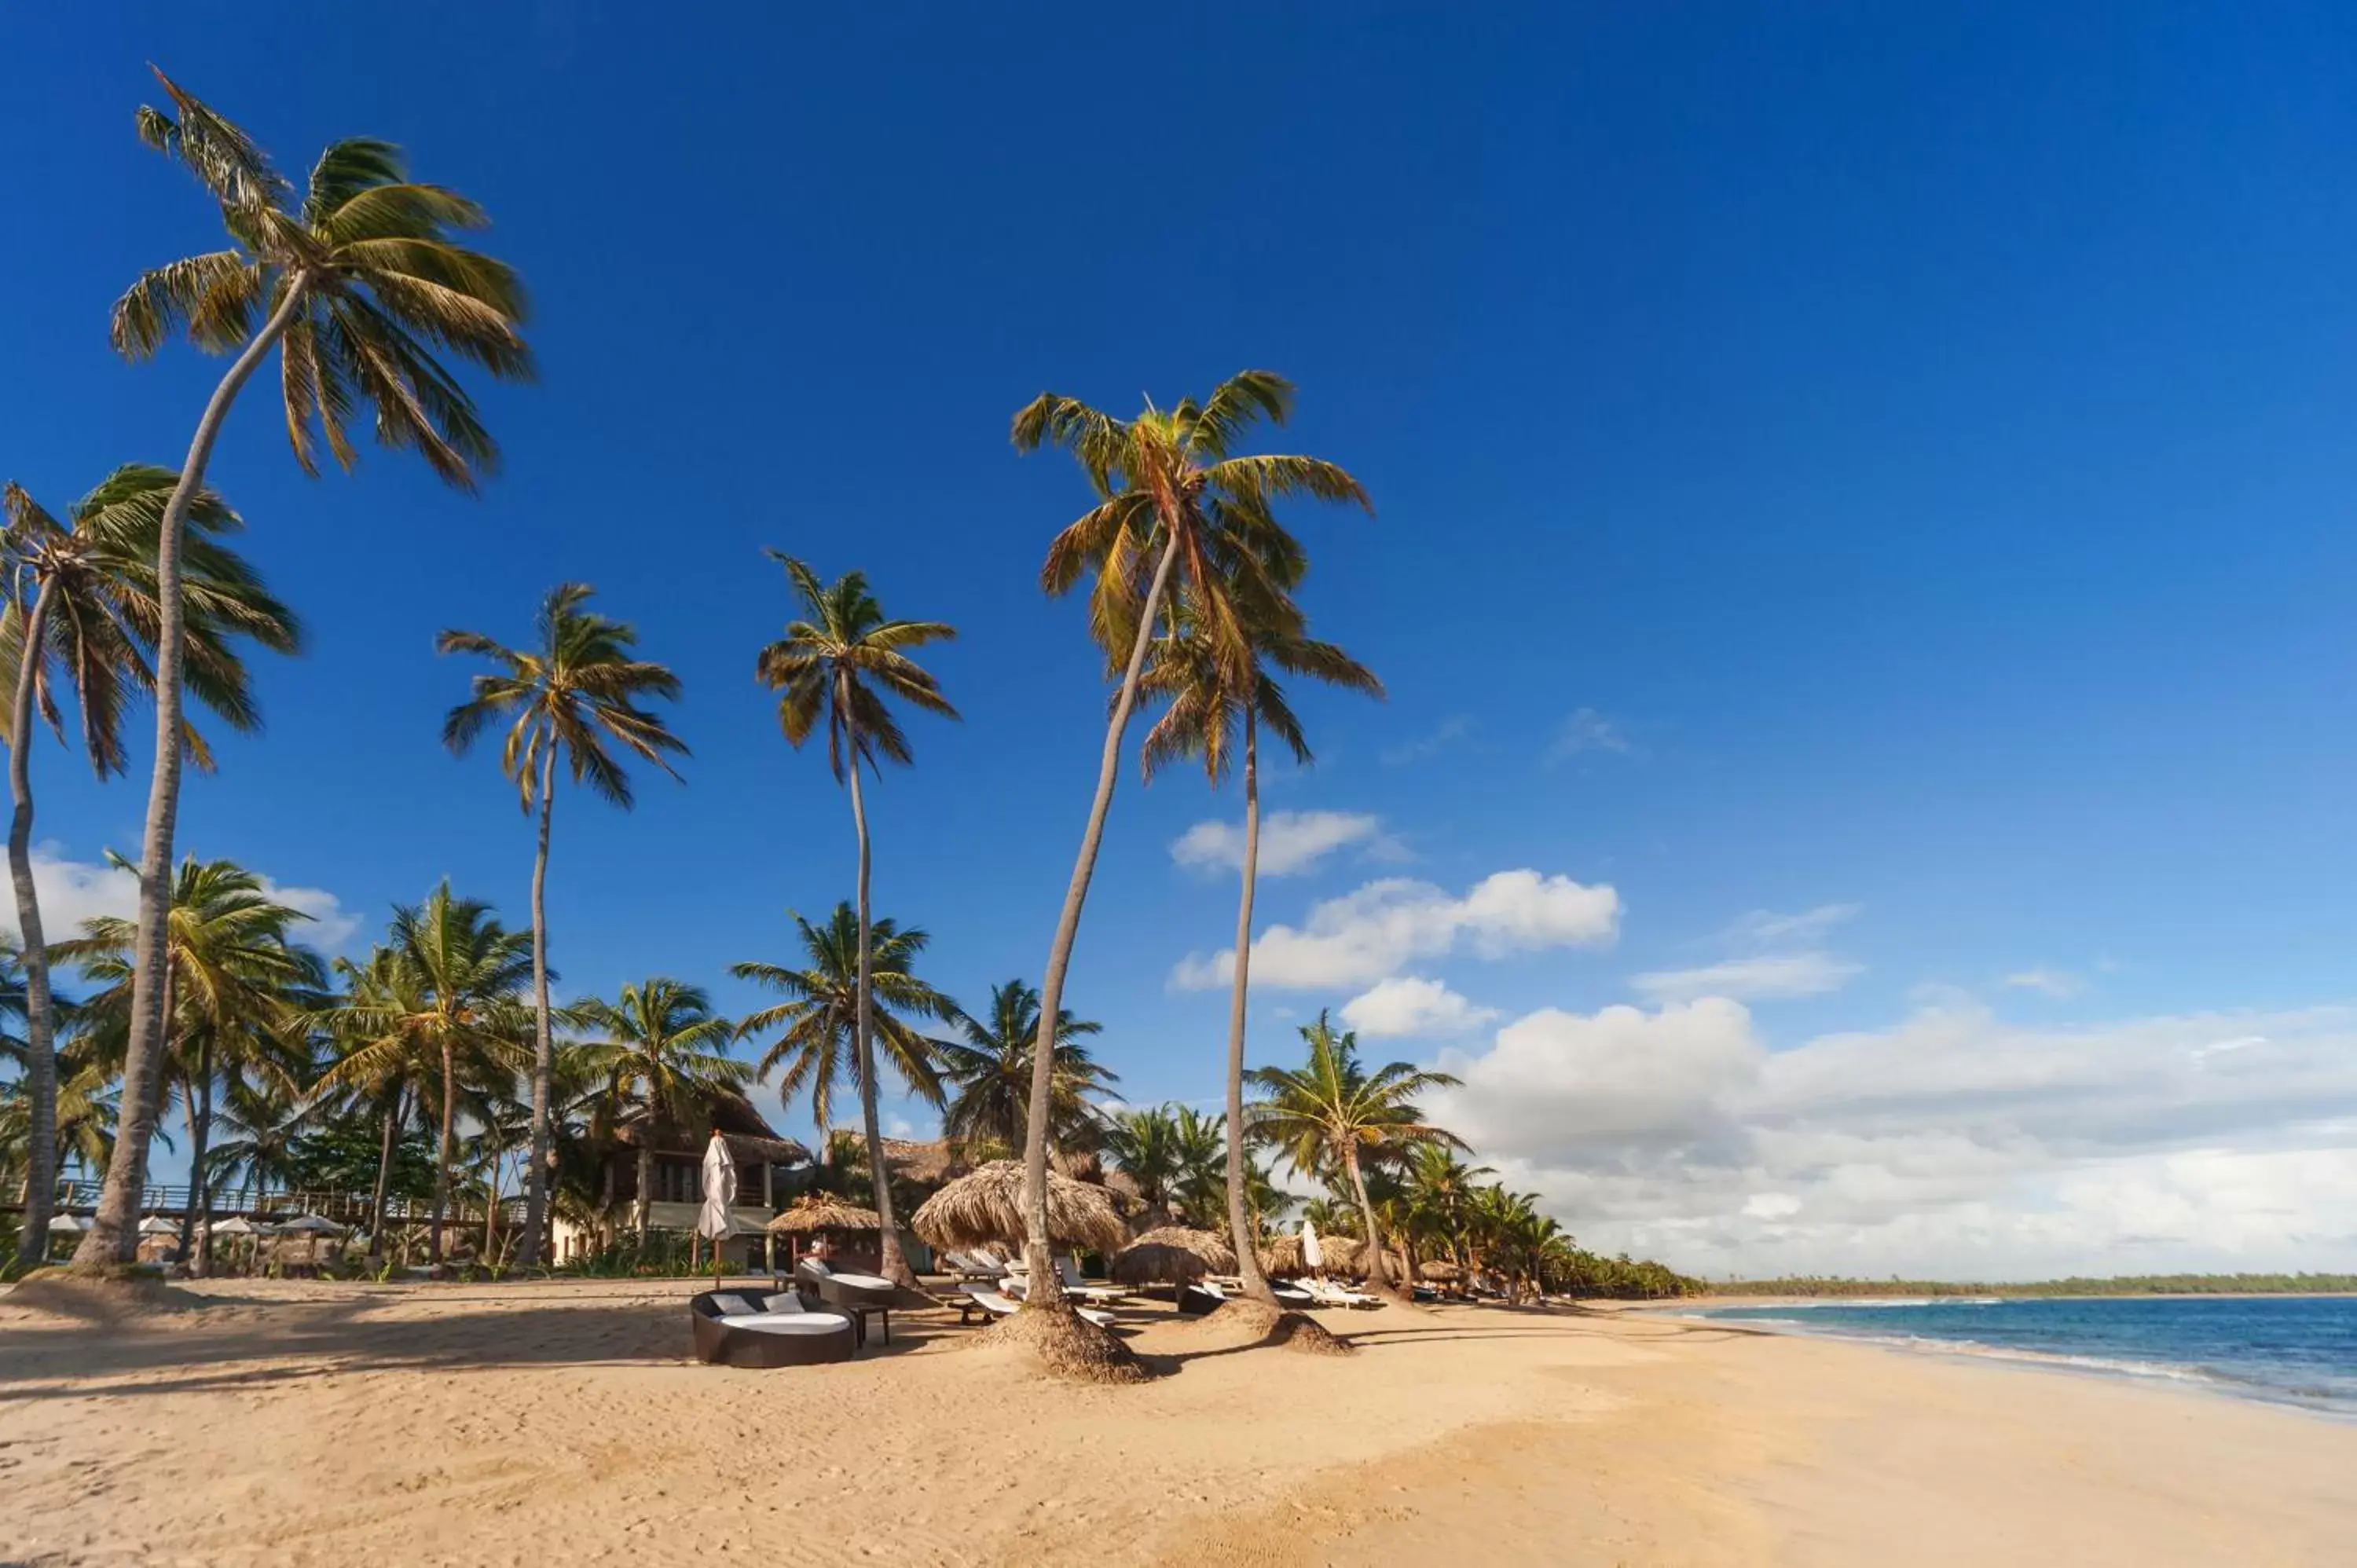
{"points": [[855, 1295], [768, 1328], [994, 1304], [1326, 1294], [1069, 1277]]}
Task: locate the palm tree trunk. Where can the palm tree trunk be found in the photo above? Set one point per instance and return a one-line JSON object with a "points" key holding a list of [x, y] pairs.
{"points": [[544, 1051], [40, 1016], [646, 1178], [114, 1235], [200, 1127], [1240, 1225], [1379, 1273], [444, 1153], [491, 1205], [1045, 1289], [393, 1118], [890, 1263]]}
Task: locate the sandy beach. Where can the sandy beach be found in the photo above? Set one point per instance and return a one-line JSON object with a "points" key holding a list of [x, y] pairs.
{"points": [[473, 1423]]}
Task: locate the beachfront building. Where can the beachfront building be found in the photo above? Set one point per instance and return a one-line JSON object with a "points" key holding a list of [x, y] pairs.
{"points": [[771, 1169]]}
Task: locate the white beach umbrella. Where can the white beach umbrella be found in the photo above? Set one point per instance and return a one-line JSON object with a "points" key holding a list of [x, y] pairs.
{"points": [[156, 1225], [310, 1225], [712, 1221], [1313, 1255], [237, 1225], [66, 1225]]}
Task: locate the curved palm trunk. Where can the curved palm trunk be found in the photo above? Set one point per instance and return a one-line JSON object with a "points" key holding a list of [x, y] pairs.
{"points": [[200, 1127], [40, 1015], [543, 1049], [891, 1265], [393, 1117], [1379, 1271], [645, 1201], [444, 1153], [1240, 1226], [1045, 1289], [113, 1236]]}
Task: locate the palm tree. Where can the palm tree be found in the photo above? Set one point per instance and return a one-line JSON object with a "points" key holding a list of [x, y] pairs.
{"points": [[459, 1011], [1202, 1185], [991, 1070], [822, 1015], [1176, 499], [82, 593], [1143, 1143], [574, 691], [1213, 694], [358, 285], [841, 665], [664, 1051], [1440, 1193], [1326, 1114], [237, 988], [389, 1083]]}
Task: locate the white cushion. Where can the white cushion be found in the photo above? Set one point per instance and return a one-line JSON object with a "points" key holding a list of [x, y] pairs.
{"points": [[732, 1304], [788, 1321], [1101, 1319], [785, 1300], [863, 1282]]}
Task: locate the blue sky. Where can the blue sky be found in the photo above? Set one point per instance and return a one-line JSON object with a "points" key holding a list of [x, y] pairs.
{"points": [[1882, 467]]}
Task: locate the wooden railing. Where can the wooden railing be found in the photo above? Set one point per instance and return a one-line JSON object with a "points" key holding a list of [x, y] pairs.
{"points": [[172, 1198]]}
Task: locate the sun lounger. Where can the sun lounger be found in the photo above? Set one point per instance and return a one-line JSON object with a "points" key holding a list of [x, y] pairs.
{"points": [[973, 1266], [1326, 1295], [995, 1303], [768, 1328], [1019, 1284]]}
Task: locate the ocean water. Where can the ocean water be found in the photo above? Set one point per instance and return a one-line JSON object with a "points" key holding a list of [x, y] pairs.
{"points": [[2298, 1351]]}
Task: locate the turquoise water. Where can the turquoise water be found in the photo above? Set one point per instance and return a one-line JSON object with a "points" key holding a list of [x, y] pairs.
{"points": [[2287, 1350]]}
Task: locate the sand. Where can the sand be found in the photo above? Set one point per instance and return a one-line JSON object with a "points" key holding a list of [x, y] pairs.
{"points": [[291, 1424]]}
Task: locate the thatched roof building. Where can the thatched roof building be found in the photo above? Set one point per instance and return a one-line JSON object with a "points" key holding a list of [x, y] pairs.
{"points": [[1173, 1255], [751, 1140], [986, 1208]]}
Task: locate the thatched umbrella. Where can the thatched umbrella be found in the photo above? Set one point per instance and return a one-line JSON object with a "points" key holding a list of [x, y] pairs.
{"points": [[1439, 1271], [1281, 1259], [1173, 1255], [816, 1211], [985, 1210]]}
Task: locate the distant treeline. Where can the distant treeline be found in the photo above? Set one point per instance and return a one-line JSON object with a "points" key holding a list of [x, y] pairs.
{"points": [[2125, 1284]]}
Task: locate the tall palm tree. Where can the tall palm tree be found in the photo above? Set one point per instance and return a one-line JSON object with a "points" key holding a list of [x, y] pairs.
{"points": [[1176, 499], [840, 666], [991, 1070], [1201, 1185], [665, 1052], [1440, 1190], [462, 1012], [1143, 1143], [358, 285], [390, 1082], [237, 986], [574, 691], [822, 1015], [82, 593], [1327, 1114], [1216, 694]]}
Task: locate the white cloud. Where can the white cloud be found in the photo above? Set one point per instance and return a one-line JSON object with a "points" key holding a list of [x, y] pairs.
{"points": [[1290, 841], [73, 891], [1763, 928], [1372, 933], [1409, 1006], [1586, 730], [1953, 1144], [2057, 983], [1748, 979], [1424, 748]]}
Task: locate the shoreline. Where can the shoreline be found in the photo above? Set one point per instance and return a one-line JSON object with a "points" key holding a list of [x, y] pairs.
{"points": [[416, 1424]]}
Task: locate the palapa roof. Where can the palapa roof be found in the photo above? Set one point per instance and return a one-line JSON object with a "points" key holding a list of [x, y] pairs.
{"points": [[924, 1162], [751, 1140], [986, 1208], [1439, 1271], [817, 1211], [1173, 1254]]}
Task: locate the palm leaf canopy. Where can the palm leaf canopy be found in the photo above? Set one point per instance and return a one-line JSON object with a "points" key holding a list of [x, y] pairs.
{"points": [[1315, 1111], [986, 1208], [842, 663], [1208, 694]]}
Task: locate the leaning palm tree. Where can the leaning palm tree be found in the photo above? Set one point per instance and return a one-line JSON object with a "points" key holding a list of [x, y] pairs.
{"points": [[840, 666], [82, 593], [663, 1052], [822, 1015], [360, 285], [1176, 501], [574, 691], [462, 1013], [1328, 1114], [1217, 695], [991, 1071]]}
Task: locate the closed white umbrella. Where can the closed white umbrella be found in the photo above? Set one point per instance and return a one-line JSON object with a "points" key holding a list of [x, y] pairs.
{"points": [[1313, 1256], [712, 1221]]}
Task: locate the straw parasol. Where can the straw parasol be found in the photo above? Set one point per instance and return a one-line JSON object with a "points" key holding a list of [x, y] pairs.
{"points": [[1173, 1254], [1439, 1271], [986, 1208], [816, 1211]]}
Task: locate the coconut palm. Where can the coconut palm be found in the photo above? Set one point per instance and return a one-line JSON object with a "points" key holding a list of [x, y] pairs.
{"points": [[663, 1052], [237, 987], [840, 666], [1215, 697], [389, 1083], [991, 1071], [812, 1030], [1327, 1114], [360, 285], [573, 694], [1176, 500], [1143, 1143], [1440, 1189], [1201, 1187], [458, 1008], [82, 593]]}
